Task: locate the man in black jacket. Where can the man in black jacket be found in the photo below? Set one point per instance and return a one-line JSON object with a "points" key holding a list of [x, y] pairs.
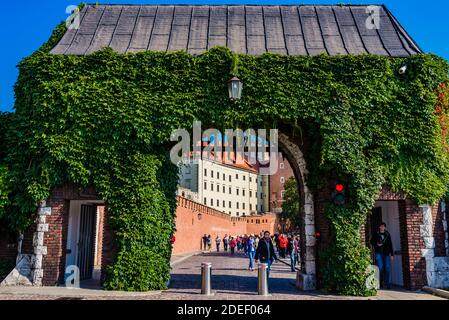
{"points": [[265, 251], [383, 249]]}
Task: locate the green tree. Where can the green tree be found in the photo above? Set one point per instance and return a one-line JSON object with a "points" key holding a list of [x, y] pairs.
{"points": [[290, 207]]}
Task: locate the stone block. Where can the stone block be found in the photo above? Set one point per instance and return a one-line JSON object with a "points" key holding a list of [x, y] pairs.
{"points": [[427, 253], [305, 282], [429, 242], [41, 219], [310, 266], [38, 239], [36, 261], [310, 230], [40, 250], [310, 240], [45, 211], [42, 227], [425, 230]]}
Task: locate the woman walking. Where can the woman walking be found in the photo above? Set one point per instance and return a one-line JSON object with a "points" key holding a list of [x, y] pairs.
{"points": [[251, 252]]}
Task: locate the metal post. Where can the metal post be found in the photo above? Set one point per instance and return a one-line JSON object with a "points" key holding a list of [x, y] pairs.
{"points": [[206, 268], [263, 279]]}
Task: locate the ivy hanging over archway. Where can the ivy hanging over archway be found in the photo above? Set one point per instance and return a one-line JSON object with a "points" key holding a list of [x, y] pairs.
{"points": [[105, 120]]}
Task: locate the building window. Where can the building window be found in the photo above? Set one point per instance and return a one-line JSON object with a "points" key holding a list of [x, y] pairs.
{"points": [[236, 176], [237, 191], [250, 193], [244, 177], [205, 172], [211, 186], [237, 214], [205, 201], [224, 177], [211, 202], [230, 190], [229, 178], [224, 189], [250, 206], [224, 204], [237, 204], [212, 173], [218, 203], [230, 204], [243, 192], [243, 205], [229, 212], [281, 165], [205, 185], [250, 179], [261, 207], [282, 179], [257, 221], [261, 195]]}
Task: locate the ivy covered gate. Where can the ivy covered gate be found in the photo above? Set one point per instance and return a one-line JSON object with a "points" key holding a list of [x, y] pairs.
{"points": [[96, 105]]}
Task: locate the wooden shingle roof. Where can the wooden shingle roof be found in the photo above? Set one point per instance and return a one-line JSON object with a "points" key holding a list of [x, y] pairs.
{"points": [[248, 29]]}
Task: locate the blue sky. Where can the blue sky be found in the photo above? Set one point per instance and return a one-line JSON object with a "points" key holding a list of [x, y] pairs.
{"points": [[25, 25]]}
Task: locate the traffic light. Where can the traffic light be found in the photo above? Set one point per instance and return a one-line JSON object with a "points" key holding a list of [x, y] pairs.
{"points": [[339, 194]]}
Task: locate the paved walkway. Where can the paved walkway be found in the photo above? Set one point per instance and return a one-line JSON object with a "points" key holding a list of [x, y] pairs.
{"points": [[230, 280]]}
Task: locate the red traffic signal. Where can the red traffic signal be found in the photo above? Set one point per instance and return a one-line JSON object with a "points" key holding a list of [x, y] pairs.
{"points": [[339, 194]]}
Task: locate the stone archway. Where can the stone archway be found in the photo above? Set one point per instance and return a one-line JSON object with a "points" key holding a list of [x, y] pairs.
{"points": [[306, 278]]}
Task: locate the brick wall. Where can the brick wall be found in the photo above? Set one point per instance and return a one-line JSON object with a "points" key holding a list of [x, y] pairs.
{"points": [[193, 220]]}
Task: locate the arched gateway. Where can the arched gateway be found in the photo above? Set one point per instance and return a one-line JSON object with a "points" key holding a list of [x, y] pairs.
{"points": [[251, 30]]}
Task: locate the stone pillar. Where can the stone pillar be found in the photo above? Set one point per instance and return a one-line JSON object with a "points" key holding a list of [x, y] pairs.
{"points": [[39, 250]]}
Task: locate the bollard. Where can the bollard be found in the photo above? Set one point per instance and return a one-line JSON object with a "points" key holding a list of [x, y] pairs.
{"points": [[206, 269], [263, 279]]}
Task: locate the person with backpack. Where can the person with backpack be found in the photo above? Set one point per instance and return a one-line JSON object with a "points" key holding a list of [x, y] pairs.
{"points": [[383, 248]]}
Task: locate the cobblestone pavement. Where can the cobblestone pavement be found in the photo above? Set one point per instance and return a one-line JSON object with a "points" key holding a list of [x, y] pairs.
{"points": [[231, 280]]}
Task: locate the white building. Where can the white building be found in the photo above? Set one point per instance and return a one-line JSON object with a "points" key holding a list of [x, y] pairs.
{"points": [[228, 186]]}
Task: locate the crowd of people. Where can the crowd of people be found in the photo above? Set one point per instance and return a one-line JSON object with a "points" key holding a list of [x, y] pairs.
{"points": [[264, 247]]}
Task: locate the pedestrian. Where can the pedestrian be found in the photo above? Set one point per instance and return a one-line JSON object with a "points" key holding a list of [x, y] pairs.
{"points": [[289, 246], [294, 253], [239, 243], [209, 243], [232, 244], [282, 245], [256, 241], [276, 240], [251, 252], [244, 244], [225, 242], [218, 242], [265, 251], [204, 242], [383, 248]]}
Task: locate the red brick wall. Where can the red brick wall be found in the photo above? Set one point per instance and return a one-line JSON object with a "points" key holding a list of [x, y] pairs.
{"points": [[276, 187], [56, 237], [190, 229], [438, 231]]}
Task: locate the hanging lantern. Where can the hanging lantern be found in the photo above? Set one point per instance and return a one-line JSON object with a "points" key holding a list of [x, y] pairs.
{"points": [[235, 87]]}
